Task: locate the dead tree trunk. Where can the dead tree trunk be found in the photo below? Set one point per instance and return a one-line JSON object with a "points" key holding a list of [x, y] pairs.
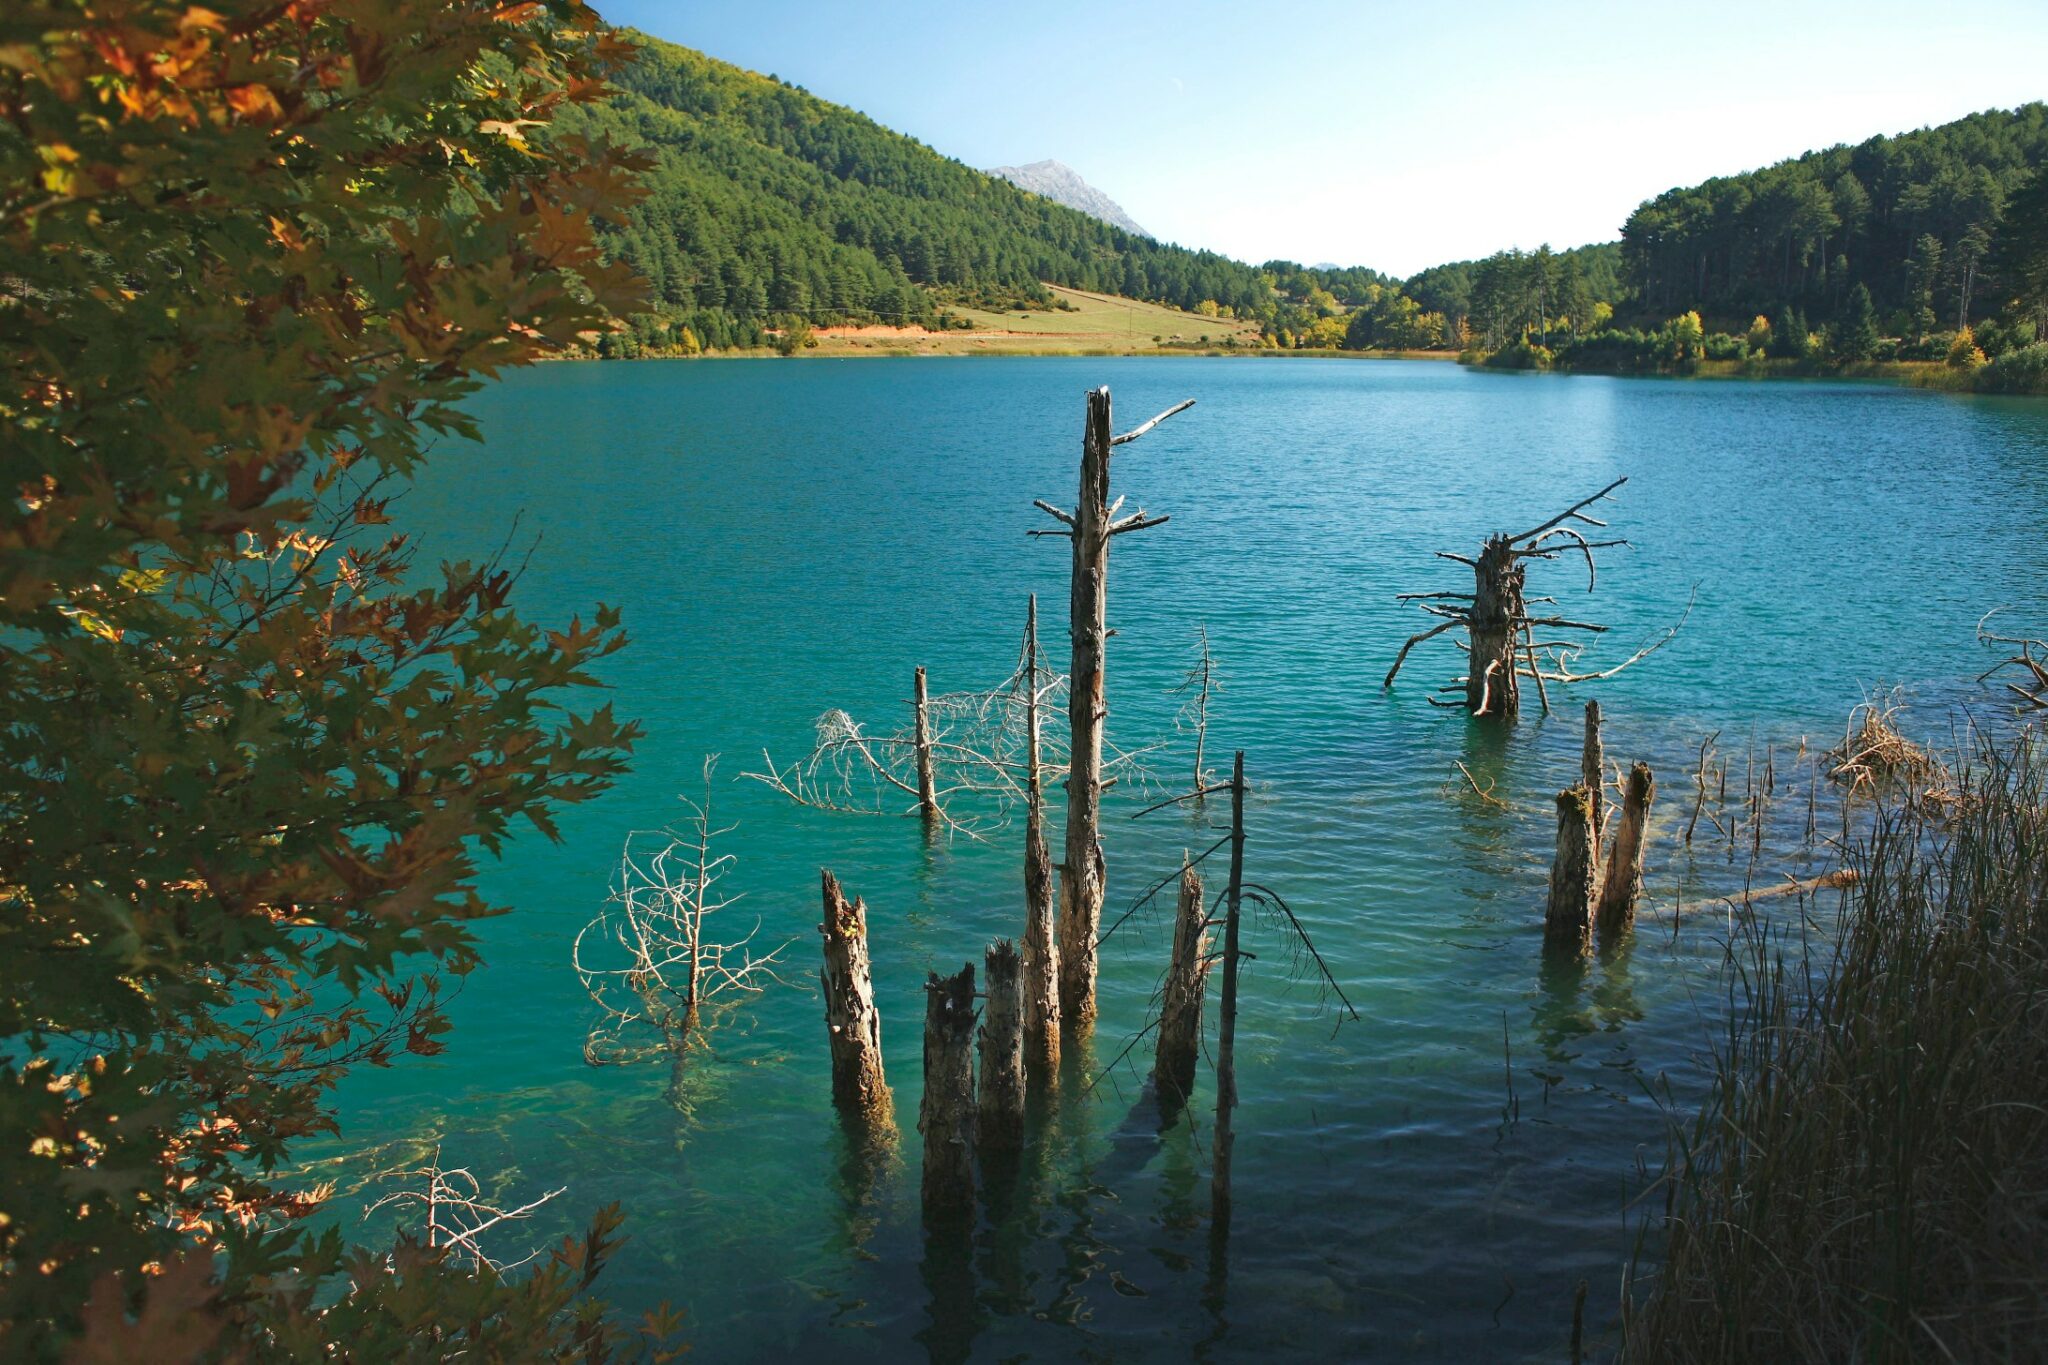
{"points": [[855, 1024], [1623, 887], [1593, 772], [1083, 873], [946, 1114], [1497, 616], [1569, 918], [1041, 952], [1090, 526], [1180, 1013], [1500, 635], [1226, 1030], [1002, 1051], [927, 789]]}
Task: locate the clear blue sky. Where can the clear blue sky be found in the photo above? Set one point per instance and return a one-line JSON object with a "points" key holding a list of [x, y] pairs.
{"points": [[1381, 134]]}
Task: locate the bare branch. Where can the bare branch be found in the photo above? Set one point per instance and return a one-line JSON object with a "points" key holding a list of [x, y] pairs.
{"points": [[1064, 518], [1572, 512], [1140, 430], [1412, 642]]}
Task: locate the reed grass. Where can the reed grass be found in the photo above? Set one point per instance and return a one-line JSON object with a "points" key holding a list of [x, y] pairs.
{"points": [[1869, 1181]]}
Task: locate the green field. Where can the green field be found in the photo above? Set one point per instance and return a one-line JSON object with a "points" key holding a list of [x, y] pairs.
{"points": [[1091, 324]]}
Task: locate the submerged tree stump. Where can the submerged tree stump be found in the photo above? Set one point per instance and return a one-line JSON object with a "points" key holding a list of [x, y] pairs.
{"points": [[1495, 629], [855, 1024], [1569, 917], [1623, 883], [1593, 772], [1226, 1024], [1041, 955], [946, 1115], [921, 743], [1002, 1051], [1041, 951], [1180, 1011]]}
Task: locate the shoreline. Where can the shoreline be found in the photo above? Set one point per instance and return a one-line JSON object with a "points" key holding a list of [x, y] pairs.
{"points": [[1931, 376]]}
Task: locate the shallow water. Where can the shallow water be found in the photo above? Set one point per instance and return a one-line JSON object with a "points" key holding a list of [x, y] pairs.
{"points": [[1428, 1183]]}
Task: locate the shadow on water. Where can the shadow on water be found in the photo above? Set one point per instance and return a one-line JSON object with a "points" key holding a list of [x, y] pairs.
{"points": [[1581, 993], [953, 1317], [1485, 833], [869, 1157]]}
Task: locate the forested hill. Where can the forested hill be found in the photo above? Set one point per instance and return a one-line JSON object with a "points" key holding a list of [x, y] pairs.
{"points": [[1913, 217], [768, 201]]}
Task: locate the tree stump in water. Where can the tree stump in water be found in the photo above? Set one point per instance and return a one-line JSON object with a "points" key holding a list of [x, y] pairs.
{"points": [[1568, 919], [1002, 1051], [850, 1014], [1623, 884], [1180, 1012], [1041, 965], [946, 1115], [1593, 772], [1041, 951], [1090, 526], [1082, 874], [1495, 630], [921, 745], [1501, 644]]}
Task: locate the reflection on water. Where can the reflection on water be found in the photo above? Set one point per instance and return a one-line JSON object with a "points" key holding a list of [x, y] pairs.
{"points": [[784, 538]]}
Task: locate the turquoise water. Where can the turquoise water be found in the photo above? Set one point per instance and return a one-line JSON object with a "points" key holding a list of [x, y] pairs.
{"points": [[1428, 1183]]}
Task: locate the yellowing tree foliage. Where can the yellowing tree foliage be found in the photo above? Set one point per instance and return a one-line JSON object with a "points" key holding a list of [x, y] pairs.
{"points": [[255, 256]]}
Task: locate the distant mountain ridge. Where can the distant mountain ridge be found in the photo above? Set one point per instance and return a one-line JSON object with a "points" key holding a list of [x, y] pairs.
{"points": [[1062, 184]]}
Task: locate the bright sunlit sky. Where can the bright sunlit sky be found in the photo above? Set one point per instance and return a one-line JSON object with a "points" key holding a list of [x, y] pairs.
{"points": [[1390, 135]]}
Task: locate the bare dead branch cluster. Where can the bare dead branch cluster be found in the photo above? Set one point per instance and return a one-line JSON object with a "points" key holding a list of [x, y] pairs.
{"points": [[647, 960], [456, 1212], [962, 758], [1875, 755], [1502, 644], [2031, 663]]}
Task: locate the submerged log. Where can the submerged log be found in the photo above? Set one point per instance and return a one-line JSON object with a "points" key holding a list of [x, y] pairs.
{"points": [[1622, 890], [1569, 917], [1002, 1051], [946, 1115], [850, 1014], [1180, 1012], [1041, 951]]}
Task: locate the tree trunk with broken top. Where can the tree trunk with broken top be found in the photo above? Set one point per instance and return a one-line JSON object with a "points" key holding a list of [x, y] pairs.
{"points": [[1622, 885], [946, 1116], [1495, 632], [1082, 874], [855, 1025], [1568, 918], [1226, 1029], [927, 791], [1180, 1011], [1593, 772], [1001, 1087], [1041, 952]]}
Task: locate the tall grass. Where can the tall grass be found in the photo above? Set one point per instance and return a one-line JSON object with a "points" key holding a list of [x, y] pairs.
{"points": [[1870, 1179]]}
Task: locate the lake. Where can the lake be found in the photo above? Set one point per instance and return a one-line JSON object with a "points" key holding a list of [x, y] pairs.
{"points": [[1431, 1182]]}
